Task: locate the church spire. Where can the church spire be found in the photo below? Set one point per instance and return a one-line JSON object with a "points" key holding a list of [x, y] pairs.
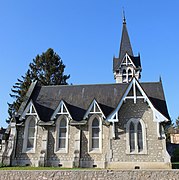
{"points": [[125, 46], [126, 65]]}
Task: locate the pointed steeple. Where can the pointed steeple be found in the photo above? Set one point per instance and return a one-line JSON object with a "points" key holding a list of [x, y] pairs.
{"points": [[125, 45], [126, 65]]}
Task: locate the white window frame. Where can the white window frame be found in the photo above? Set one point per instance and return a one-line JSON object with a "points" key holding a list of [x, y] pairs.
{"points": [[135, 122], [57, 149], [127, 74], [90, 149], [25, 139]]}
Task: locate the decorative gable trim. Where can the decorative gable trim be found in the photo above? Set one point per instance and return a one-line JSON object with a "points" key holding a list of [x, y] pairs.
{"points": [[127, 61], [61, 109], [30, 110], [94, 108], [134, 86]]}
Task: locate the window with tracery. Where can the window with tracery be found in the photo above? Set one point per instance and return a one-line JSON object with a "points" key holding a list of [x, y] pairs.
{"points": [[136, 137]]}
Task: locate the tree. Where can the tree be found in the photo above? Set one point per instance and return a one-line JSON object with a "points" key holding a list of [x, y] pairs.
{"points": [[19, 91], [177, 123], [171, 128], [47, 69]]}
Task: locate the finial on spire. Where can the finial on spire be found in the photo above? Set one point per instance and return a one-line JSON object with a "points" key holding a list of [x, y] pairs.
{"points": [[123, 14], [160, 78]]}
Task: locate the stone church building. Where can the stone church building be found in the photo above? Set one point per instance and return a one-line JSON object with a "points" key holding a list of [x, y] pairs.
{"points": [[116, 125]]}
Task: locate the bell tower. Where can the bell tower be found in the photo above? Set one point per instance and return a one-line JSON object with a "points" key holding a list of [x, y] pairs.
{"points": [[126, 65]]}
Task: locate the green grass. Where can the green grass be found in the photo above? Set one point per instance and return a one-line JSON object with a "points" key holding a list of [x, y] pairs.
{"points": [[44, 168], [175, 165]]}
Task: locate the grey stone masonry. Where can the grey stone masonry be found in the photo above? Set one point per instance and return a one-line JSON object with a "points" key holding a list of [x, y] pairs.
{"points": [[91, 175], [154, 145]]}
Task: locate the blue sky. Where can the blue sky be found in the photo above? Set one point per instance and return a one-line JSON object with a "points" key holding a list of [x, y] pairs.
{"points": [[86, 34]]}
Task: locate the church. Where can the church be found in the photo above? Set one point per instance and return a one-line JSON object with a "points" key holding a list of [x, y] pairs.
{"points": [[113, 126]]}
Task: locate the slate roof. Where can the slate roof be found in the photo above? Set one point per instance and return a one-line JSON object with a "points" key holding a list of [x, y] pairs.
{"points": [[79, 97], [125, 45], [136, 61]]}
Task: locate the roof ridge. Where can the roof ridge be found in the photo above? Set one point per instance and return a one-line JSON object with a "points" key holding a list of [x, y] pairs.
{"points": [[84, 85]]}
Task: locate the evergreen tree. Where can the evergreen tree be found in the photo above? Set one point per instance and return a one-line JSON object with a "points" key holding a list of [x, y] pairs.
{"points": [[177, 123], [47, 68], [19, 90]]}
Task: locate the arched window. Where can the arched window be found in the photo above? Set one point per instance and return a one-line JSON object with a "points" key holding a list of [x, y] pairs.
{"points": [[129, 75], [31, 134], [136, 137], [62, 134], [95, 134], [132, 137]]}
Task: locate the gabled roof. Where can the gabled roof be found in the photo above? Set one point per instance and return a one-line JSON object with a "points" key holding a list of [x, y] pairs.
{"points": [[30, 109], [61, 109], [136, 91], [78, 98], [94, 108]]}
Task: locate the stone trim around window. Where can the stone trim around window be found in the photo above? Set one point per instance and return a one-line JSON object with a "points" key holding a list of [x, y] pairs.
{"points": [[25, 137], [135, 121], [56, 148], [90, 149]]}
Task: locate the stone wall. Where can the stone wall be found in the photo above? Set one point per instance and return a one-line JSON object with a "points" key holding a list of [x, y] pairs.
{"points": [[90, 158], [52, 157], [112, 153], [155, 147], [55, 158], [22, 158], [91, 175]]}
